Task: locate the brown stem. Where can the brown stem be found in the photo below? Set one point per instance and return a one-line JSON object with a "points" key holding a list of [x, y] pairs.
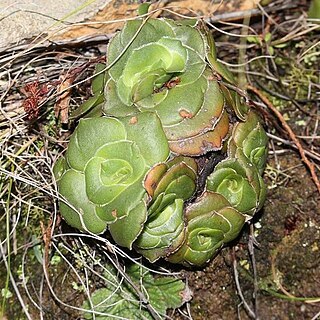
{"points": [[290, 132]]}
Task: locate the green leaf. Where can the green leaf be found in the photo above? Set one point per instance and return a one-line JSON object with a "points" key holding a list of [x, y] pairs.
{"points": [[37, 249], [163, 232], [211, 223], [267, 37], [125, 231], [143, 8], [250, 138], [60, 168], [99, 78], [90, 135], [119, 299], [152, 31], [229, 179], [97, 85], [253, 39], [195, 122], [238, 180], [78, 211], [147, 132], [165, 293], [6, 293], [271, 50], [314, 9], [168, 185]]}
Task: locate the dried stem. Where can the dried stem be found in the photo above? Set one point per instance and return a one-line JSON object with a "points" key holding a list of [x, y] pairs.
{"points": [[290, 132], [236, 279], [251, 244]]}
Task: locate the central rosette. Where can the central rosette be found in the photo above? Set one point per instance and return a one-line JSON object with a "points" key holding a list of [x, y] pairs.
{"points": [[114, 167], [149, 68], [115, 171]]}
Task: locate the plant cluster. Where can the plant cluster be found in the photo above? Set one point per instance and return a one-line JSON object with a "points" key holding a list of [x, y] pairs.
{"points": [[162, 106]]}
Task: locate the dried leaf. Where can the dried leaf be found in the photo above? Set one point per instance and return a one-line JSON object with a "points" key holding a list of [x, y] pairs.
{"points": [[61, 108]]}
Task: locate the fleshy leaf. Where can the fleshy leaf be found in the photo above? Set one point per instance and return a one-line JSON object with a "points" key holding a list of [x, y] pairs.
{"points": [[250, 138], [238, 181], [211, 223], [77, 210], [98, 84], [125, 231], [204, 142], [163, 233], [106, 163], [60, 167], [168, 185]]}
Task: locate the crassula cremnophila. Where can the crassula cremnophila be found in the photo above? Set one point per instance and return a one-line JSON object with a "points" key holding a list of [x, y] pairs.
{"points": [[134, 162]]}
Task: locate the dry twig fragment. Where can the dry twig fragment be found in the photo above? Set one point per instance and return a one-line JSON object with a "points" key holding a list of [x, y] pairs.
{"points": [[290, 132], [61, 107]]}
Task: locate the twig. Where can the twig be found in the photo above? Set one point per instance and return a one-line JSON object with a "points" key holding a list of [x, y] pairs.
{"points": [[235, 15], [286, 97], [294, 35], [15, 287], [316, 316], [291, 134], [252, 242], [278, 282], [90, 40], [240, 15], [46, 235], [236, 278], [309, 153]]}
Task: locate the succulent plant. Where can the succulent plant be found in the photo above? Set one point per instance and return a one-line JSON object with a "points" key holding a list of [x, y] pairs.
{"points": [[164, 70], [103, 170], [211, 222], [238, 178], [250, 140], [240, 183], [135, 169], [168, 186]]}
